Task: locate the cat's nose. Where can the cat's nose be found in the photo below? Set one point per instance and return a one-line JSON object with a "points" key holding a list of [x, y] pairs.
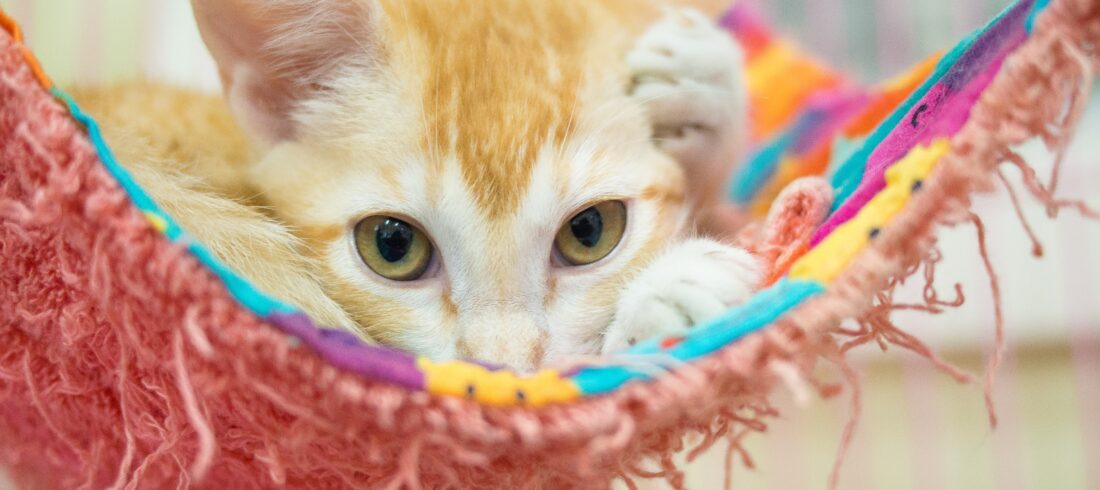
{"points": [[510, 338]]}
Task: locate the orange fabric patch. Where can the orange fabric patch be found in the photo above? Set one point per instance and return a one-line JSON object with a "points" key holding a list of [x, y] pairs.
{"points": [[789, 170], [890, 96], [9, 24], [780, 80]]}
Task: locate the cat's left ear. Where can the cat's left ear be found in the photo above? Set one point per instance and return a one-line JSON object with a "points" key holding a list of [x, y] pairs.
{"points": [[273, 55]]}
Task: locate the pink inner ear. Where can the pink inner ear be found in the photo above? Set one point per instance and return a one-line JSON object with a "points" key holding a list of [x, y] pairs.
{"points": [[270, 55], [262, 107]]}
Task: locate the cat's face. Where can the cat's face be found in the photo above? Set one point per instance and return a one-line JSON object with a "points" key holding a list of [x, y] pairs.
{"points": [[474, 181]]}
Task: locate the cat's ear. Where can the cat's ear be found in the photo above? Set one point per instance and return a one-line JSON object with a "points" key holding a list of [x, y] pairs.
{"points": [[273, 55]]}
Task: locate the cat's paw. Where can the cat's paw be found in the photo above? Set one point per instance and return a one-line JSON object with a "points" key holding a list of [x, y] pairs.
{"points": [[691, 283], [688, 73]]}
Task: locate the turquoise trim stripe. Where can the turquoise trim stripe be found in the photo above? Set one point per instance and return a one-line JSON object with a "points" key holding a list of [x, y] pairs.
{"points": [[762, 310], [765, 307], [241, 289], [1038, 8], [759, 169]]}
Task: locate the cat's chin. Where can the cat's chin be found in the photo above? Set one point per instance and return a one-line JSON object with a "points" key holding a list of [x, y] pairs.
{"points": [[587, 354]]}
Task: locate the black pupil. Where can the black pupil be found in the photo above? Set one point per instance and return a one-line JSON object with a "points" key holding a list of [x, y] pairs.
{"points": [[394, 239], [587, 227]]}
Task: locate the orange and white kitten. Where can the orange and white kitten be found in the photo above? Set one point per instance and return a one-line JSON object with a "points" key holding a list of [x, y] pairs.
{"points": [[512, 180]]}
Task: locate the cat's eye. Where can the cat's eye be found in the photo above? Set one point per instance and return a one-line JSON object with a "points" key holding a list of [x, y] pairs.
{"points": [[592, 234], [393, 248]]}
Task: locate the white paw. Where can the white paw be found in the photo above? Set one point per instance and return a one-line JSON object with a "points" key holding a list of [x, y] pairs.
{"points": [[689, 75], [691, 283]]}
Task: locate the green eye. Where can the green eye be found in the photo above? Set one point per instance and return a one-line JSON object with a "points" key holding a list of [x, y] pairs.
{"points": [[592, 234], [393, 248]]}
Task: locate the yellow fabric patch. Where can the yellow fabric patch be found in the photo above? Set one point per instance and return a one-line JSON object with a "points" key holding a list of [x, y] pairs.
{"points": [[780, 79], [826, 261], [158, 221], [889, 96], [499, 388]]}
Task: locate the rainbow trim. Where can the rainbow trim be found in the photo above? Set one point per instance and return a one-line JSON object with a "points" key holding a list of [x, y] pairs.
{"points": [[905, 124]]}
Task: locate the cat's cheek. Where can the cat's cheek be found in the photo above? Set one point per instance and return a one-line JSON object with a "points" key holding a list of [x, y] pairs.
{"points": [[416, 316], [655, 224], [582, 308], [430, 328]]}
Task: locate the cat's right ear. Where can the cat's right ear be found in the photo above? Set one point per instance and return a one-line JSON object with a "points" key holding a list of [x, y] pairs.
{"points": [[273, 55]]}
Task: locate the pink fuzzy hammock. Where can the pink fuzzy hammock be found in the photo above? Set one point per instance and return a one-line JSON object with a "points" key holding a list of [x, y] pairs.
{"points": [[130, 358]]}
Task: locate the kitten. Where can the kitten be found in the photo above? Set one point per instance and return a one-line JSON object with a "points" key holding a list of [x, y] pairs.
{"points": [[513, 181]]}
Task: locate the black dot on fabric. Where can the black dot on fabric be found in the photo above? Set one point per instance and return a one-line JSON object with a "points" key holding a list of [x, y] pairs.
{"points": [[874, 232], [521, 396], [916, 114], [470, 390], [918, 185]]}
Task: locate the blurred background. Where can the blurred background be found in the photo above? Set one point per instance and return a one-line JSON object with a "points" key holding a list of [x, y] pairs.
{"points": [[919, 429]]}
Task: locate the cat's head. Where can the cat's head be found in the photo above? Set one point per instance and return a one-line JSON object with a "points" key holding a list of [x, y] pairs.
{"points": [[472, 176]]}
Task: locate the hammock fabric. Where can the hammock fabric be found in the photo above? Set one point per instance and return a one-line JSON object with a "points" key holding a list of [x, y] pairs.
{"points": [[129, 357]]}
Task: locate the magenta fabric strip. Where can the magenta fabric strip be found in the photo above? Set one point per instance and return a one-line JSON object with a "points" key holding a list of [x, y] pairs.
{"points": [[831, 111]]}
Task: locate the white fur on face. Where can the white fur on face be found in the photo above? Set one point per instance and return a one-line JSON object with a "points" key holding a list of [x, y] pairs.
{"points": [[513, 303]]}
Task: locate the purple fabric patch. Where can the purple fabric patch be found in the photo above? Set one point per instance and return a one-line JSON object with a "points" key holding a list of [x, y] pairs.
{"points": [[829, 112], [741, 18], [346, 351], [941, 112]]}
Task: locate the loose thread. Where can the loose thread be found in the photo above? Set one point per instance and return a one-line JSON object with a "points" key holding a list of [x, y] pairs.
{"points": [[128, 456], [673, 475], [735, 448], [407, 467], [207, 446], [1053, 204], [998, 311], [1077, 106], [709, 439], [628, 481], [1036, 245], [876, 326], [727, 479], [856, 407]]}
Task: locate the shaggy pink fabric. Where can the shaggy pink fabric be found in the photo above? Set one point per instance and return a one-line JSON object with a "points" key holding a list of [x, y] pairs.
{"points": [[125, 364], [786, 232]]}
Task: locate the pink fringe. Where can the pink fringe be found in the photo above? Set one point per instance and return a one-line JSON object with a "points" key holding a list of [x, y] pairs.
{"points": [[855, 408], [1036, 245], [999, 325]]}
